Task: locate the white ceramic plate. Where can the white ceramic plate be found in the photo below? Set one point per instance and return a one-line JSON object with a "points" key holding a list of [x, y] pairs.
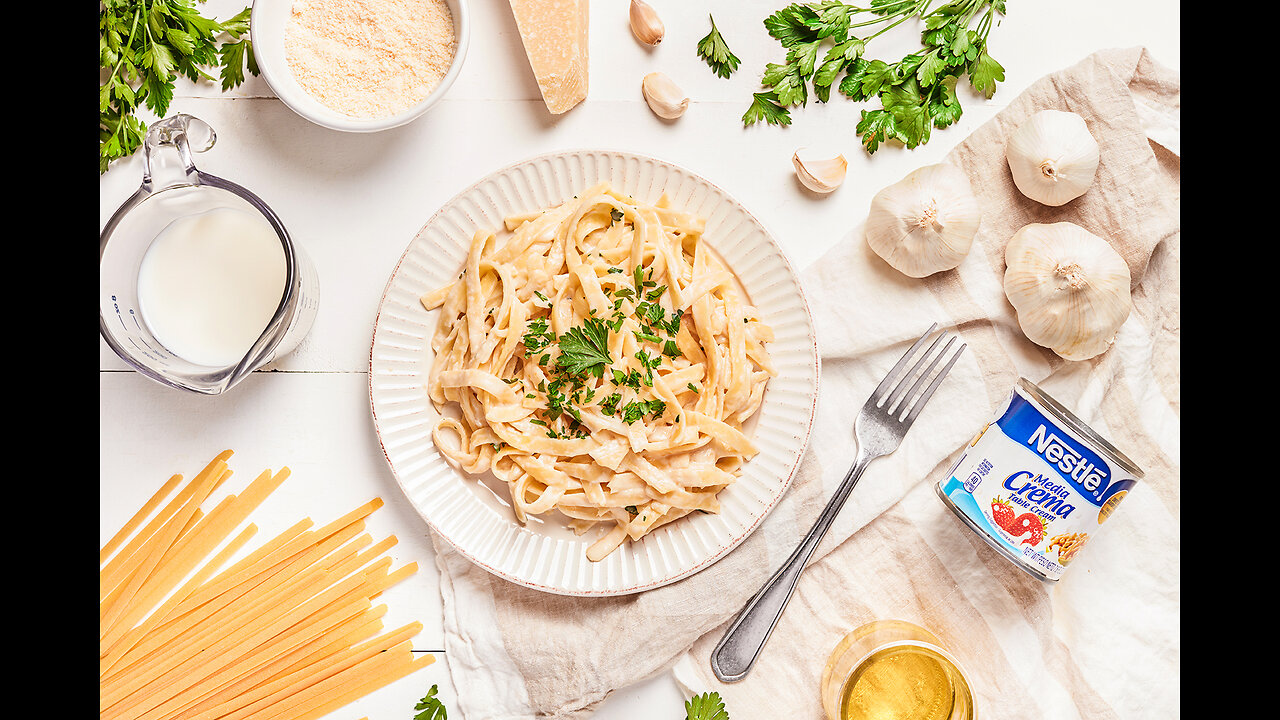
{"points": [[475, 516]]}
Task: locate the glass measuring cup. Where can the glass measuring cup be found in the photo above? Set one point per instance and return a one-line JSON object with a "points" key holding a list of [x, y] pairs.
{"points": [[173, 188], [894, 669]]}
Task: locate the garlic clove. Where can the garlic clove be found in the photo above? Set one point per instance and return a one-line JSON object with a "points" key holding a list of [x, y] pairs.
{"points": [[1052, 157], [821, 174], [646, 24], [1069, 287], [924, 223], [665, 98]]}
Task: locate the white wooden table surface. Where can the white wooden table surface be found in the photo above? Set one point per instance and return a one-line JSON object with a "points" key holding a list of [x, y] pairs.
{"points": [[355, 201]]}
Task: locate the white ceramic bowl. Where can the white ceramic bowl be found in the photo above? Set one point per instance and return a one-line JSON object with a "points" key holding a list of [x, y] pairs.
{"points": [[267, 25]]}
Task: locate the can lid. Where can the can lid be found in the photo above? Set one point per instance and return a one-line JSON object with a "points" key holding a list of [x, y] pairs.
{"points": [[1078, 425]]}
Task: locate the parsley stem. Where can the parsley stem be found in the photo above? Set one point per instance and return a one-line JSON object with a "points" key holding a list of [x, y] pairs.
{"points": [[889, 27], [133, 27]]}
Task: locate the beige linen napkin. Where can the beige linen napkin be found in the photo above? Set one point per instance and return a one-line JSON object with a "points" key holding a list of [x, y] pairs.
{"points": [[1102, 643]]}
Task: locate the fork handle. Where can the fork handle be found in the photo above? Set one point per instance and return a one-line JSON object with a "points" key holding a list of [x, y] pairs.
{"points": [[742, 642]]}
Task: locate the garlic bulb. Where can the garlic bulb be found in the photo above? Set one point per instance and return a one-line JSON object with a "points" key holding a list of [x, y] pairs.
{"points": [[665, 98], [925, 222], [821, 174], [646, 24], [1053, 157], [1069, 287]]}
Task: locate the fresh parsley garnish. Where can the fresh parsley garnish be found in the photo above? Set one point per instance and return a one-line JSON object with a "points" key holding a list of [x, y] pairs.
{"points": [[707, 706], [610, 403], [637, 409], [583, 352], [715, 51], [431, 706], [538, 336], [142, 49], [585, 349], [916, 94]]}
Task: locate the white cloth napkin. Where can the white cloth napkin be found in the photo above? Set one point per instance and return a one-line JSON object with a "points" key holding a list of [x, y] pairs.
{"points": [[1102, 643]]}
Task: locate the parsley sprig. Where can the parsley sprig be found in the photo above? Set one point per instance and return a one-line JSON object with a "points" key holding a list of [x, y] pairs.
{"points": [[916, 94], [431, 706], [143, 46], [715, 51]]}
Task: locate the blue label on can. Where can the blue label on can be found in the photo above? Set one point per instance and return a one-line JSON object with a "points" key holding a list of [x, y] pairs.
{"points": [[1073, 462]]}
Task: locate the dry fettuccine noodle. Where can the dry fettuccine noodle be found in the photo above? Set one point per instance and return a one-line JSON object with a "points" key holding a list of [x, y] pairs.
{"points": [[601, 360]]}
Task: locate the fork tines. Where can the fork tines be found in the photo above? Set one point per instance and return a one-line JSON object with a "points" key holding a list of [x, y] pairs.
{"points": [[904, 398]]}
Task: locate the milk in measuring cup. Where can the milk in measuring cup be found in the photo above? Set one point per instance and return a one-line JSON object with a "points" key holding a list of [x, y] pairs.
{"points": [[209, 284]]}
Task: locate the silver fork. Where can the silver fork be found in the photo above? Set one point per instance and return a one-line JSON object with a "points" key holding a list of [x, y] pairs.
{"points": [[878, 430]]}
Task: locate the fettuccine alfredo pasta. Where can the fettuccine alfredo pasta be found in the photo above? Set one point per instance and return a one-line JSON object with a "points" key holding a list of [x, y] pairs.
{"points": [[599, 359]]}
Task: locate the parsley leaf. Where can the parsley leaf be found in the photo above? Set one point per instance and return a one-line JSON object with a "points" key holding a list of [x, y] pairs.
{"points": [[707, 706], [984, 74], [715, 51], [765, 107], [875, 127], [431, 706], [585, 348]]}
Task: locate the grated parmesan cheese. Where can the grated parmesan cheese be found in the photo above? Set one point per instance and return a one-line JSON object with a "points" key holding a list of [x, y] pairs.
{"points": [[369, 58]]}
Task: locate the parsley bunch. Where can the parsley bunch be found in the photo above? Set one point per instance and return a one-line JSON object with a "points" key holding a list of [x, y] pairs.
{"points": [[916, 93], [143, 46]]}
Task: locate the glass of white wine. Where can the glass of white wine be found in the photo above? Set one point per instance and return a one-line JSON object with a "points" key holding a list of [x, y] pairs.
{"points": [[894, 670]]}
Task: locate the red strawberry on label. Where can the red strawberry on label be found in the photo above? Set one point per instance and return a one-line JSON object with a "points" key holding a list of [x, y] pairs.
{"points": [[1002, 513], [1029, 522]]}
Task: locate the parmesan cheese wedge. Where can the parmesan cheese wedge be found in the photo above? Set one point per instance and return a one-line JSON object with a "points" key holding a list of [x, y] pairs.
{"points": [[555, 39]]}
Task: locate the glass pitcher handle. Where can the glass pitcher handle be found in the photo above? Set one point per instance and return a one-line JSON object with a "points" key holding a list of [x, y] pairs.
{"points": [[167, 150]]}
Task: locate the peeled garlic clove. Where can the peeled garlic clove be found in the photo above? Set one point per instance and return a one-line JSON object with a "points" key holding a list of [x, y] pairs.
{"points": [[646, 24], [820, 174], [665, 98], [924, 223], [1053, 157], [1070, 288]]}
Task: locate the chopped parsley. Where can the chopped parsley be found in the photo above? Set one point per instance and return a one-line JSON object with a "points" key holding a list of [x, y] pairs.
{"points": [[583, 352]]}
